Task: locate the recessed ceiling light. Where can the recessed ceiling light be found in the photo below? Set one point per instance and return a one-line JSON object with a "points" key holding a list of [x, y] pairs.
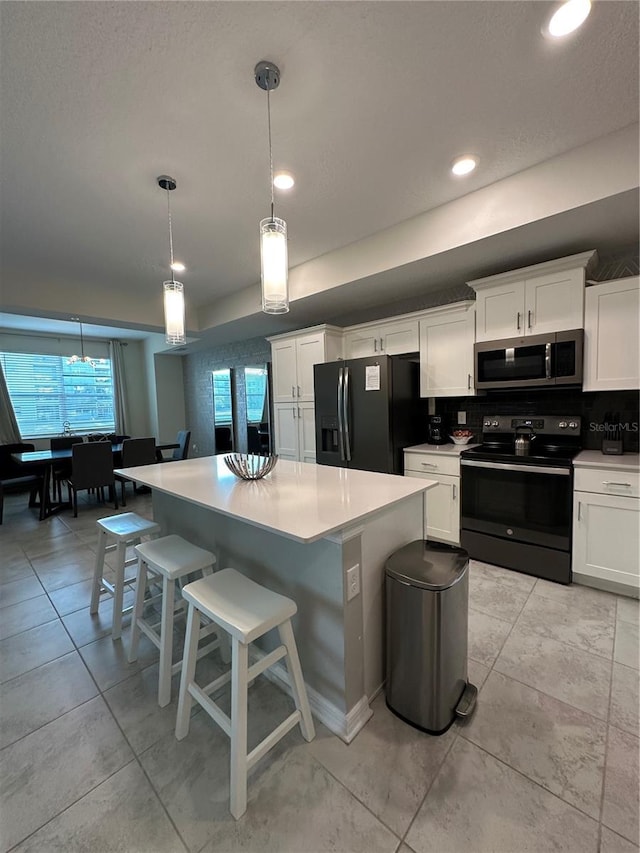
{"points": [[568, 18], [464, 165], [177, 266], [283, 180]]}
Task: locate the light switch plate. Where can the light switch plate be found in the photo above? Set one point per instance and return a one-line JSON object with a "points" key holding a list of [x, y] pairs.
{"points": [[462, 417], [353, 581]]}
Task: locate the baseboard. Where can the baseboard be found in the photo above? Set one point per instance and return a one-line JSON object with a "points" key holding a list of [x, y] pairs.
{"points": [[345, 725]]}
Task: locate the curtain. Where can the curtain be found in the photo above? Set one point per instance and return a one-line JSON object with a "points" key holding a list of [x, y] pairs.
{"points": [[121, 410], [9, 432]]}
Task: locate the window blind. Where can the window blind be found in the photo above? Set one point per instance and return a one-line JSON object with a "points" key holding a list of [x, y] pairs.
{"points": [[48, 393]]}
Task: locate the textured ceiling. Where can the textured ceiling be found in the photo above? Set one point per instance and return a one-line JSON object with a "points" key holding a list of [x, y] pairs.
{"points": [[375, 101]]}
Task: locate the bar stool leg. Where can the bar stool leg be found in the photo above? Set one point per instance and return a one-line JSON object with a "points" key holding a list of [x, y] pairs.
{"points": [[141, 585], [121, 553], [98, 570], [239, 712], [166, 641], [297, 682], [188, 672]]}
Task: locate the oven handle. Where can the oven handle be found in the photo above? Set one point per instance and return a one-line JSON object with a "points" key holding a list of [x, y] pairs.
{"points": [[504, 466]]}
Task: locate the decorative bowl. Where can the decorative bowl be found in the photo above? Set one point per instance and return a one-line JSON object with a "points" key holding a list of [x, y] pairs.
{"points": [[461, 439], [250, 466]]}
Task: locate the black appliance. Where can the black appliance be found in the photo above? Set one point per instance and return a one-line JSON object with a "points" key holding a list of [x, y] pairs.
{"points": [[437, 430], [532, 361], [516, 508], [367, 411]]}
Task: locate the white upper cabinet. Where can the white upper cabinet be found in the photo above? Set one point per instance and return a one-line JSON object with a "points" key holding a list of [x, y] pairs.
{"points": [[393, 337], [293, 357], [612, 329], [534, 300], [446, 351]]}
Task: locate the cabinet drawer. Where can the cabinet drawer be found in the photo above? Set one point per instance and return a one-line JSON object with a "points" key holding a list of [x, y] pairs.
{"points": [[432, 463], [608, 481]]}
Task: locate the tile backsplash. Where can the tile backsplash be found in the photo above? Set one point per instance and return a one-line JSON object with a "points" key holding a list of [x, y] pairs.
{"points": [[591, 407]]}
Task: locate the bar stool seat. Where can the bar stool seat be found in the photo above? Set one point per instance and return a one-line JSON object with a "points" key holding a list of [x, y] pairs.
{"points": [[173, 559], [116, 533], [246, 611]]}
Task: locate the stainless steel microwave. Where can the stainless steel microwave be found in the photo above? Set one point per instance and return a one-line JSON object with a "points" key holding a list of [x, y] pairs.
{"points": [[532, 361]]}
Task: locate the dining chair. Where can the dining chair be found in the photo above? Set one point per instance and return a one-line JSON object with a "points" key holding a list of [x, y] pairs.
{"points": [[135, 451], [13, 476], [61, 470], [181, 451], [92, 468]]}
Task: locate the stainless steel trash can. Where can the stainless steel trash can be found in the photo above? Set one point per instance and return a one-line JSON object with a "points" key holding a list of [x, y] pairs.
{"points": [[427, 591]]}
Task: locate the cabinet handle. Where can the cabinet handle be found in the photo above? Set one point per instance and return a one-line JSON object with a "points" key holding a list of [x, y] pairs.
{"points": [[518, 321], [529, 319], [611, 483], [298, 390], [293, 390], [579, 509], [468, 382], [429, 464], [375, 345], [455, 491], [381, 345]]}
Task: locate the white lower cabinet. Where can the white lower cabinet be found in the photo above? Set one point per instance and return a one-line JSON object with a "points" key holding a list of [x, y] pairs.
{"points": [[442, 502], [606, 532], [295, 431]]}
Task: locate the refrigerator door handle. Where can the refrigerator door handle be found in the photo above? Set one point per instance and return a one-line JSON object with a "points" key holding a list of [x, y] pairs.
{"points": [[345, 412], [340, 421]]}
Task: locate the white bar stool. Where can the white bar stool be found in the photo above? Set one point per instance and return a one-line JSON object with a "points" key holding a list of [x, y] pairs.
{"points": [[172, 558], [247, 611], [116, 533]]}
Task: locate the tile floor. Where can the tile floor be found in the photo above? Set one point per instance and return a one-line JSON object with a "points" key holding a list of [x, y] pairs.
{"points": [[88, 762]]}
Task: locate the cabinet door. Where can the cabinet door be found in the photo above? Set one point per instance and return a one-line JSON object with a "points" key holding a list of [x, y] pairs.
{"points": [[611, 330], [554, 302], [361, 343], [446, 354], [285, 417], [500, 312], [398, 338], [606, 533], [309, 351], [306, 432], [283, 355], [442, 508]]}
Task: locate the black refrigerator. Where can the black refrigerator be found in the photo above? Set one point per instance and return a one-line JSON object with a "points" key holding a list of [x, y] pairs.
{"points": [[367, 411]]}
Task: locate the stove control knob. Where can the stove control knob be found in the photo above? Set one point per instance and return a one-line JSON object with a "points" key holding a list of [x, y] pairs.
{"points": [[563, 424], [487, 423], [573, 425], [494, 423]]}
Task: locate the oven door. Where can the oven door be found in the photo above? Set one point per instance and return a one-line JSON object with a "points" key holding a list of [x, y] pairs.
{"points": [[523, 503], [514, 362]]}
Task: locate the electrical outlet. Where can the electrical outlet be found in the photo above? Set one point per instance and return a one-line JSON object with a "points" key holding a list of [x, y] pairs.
{"points": [[431, 403], [462, 417], [353, 581]]}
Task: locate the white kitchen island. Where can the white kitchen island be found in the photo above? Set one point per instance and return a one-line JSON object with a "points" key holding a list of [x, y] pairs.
{"points": [[299, 531]]}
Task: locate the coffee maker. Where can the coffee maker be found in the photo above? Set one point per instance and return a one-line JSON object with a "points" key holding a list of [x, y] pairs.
{"points": [[437, 432]]}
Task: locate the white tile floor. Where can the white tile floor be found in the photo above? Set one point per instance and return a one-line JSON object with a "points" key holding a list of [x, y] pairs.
{"points": [[88, 762]]}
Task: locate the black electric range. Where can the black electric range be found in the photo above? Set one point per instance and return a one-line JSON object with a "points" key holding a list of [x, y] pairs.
{"points": [[517, 494]]}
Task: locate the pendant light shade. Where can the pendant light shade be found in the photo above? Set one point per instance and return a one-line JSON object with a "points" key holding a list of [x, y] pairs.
{"points": [[174, 312], [274, 258], [274, 265]]}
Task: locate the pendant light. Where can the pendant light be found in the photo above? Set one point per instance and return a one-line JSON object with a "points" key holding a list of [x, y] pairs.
{"points": [[273, 231], [80, 359], [174, 321]]}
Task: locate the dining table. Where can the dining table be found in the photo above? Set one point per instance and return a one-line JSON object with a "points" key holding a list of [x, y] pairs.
{"points": [[35, 461]]}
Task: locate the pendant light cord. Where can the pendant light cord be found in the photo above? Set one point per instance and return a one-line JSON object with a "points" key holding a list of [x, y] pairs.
{"points": [[81, 341], [170, 235], [270, 148]]}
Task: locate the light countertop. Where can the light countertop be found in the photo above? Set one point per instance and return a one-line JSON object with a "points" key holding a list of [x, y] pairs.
{"points": [[299, 500], [441, 449], [596, 459]]}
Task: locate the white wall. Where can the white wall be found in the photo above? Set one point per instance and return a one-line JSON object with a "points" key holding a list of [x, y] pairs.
{"points": [[165, 390]]}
